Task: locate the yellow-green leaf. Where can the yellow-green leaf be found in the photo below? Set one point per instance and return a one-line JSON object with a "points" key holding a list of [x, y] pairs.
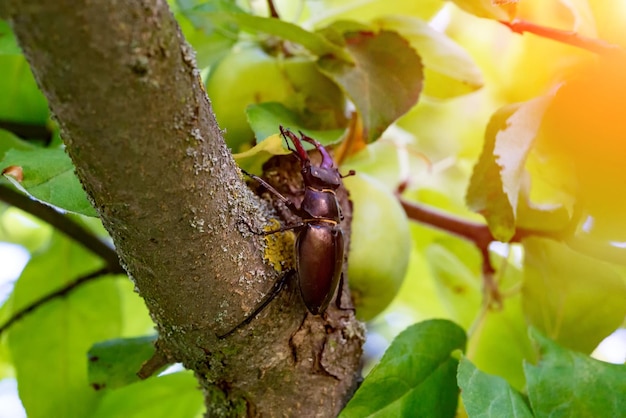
{"points": [[384, 81], [49, 176], [492, 9], [449, 71], [574, 299]]}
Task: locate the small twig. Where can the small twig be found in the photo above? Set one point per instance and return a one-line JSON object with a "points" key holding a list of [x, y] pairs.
{"points": [[273, 11], [598, 46], [153, 364], [65, 225], [475, 232], [63, 291]]}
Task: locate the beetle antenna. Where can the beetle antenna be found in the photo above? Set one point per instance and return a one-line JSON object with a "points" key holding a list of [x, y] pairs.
{"points": [[271, 189]]}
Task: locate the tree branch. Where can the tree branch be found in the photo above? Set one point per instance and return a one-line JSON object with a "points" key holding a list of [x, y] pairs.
{"points": [[132, 111], [65, 225], [598, 46]]}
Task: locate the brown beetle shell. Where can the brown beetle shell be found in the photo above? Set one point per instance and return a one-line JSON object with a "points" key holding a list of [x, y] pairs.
{"points": [[320, 204], [319, 254]]}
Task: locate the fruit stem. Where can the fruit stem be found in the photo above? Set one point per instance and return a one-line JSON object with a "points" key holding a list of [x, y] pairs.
{"points": [[597, 46]]}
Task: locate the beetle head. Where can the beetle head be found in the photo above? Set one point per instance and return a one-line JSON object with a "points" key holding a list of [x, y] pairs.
{"points": [[320, 177], [324, 176]]}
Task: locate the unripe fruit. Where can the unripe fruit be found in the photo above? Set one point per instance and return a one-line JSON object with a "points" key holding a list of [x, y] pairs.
{"points": [[248, 75], [380, 245], [245, 76]]}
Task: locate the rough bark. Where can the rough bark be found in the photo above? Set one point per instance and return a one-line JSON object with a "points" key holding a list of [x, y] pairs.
{"points": [[123, 86]]}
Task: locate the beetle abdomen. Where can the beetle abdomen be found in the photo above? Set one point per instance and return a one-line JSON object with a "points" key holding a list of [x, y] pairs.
{"points": [[319, 252]]}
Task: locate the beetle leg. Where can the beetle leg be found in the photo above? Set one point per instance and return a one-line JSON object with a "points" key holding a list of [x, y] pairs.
{"points": [[283, 229], [272, 190], [339, 293], [275, 231], [278, 286]]}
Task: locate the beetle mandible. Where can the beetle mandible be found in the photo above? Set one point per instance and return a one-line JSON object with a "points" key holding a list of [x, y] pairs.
{"points": [[319, 244]]}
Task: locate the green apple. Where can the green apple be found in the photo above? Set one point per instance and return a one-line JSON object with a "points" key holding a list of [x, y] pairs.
{"points": [[248, 75], [380, 245]]}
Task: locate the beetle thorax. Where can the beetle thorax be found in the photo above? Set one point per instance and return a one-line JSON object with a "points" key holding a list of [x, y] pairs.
{"points": [[319, 204], [321, 178]]}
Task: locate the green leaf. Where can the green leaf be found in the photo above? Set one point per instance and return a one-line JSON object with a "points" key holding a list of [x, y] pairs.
{"points": [[569, 384], [207, 14], [449, 71], [173, 395], [314, 42], [21, 100], [499, 341], [8, 43], [252, 160], [9, 141], [329, 11], [6, 364], [513, 143], [210, 42], [485, 193], [457, 286], [540, 217], [384, 81], [416, 376], [487, 396], [574, 299], [497, 179], [49, 345], [115, 363], [49, 177], [489, 8], [23, 229], [135, 315], [211, 36], [265, 119]]}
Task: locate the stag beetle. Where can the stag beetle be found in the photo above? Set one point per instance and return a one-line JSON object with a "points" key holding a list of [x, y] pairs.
{"points": [[319, 243]]}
